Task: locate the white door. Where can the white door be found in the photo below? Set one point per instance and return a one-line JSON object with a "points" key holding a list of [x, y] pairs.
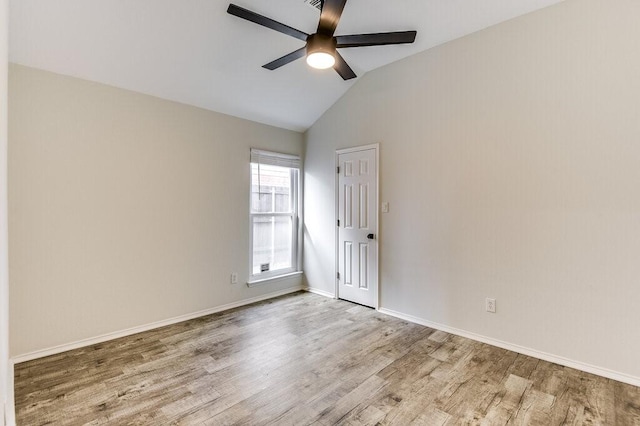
{"points": [[357, 226]]}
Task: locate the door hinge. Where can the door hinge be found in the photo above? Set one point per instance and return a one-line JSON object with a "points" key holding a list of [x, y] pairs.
{"points": [[338, 275], [338, 223], [338, 170]]}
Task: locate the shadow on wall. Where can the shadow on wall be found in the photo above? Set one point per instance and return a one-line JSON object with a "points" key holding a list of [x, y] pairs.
{"points": [[318, 261]]}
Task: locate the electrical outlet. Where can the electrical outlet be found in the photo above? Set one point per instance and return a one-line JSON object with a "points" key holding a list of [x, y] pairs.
{"points": [[234, 278], [491, 305]]}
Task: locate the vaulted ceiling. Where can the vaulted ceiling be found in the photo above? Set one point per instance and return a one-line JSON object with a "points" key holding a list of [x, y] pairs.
{"points": [[195, 53]]}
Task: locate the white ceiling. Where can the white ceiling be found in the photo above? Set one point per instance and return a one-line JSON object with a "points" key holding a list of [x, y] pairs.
{"points": [[195, 53]]}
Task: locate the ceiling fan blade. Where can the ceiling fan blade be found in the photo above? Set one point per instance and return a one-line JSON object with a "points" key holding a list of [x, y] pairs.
{"points": [[266, 22], [376, 39], [343, 68], [330, 16], [286, 59]]}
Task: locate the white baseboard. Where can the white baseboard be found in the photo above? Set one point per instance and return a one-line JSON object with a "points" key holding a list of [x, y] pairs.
{"points": [[599, 371], [320, 292], [139, 329], [9, 405]]}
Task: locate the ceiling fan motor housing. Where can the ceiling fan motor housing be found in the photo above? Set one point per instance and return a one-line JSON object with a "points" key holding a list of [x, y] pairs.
{"points": [[321, 43]]}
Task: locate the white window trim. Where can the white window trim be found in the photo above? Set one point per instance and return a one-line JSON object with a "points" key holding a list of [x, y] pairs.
{"points": [[275, 279], [292, 162]]}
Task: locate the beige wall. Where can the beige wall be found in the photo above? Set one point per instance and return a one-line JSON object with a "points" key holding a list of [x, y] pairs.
{"points": [[4, 283], [511, 162], [124, 209]]}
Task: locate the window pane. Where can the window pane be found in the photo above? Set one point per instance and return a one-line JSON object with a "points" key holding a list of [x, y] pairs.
{"points": [[270, 189], [272, 247]]}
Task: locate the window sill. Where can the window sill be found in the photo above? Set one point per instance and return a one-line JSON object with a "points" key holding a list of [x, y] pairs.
{"points": [[254, 283]]}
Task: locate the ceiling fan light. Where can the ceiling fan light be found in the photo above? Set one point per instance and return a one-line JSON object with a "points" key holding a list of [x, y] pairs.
{"points": [[321, 60], [321, 51]]}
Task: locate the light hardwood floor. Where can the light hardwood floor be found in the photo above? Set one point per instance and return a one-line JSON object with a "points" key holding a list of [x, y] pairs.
{"points": [[305, 359]]}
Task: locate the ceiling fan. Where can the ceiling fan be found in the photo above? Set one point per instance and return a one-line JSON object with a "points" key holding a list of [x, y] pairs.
{"points": [[320, 48]]}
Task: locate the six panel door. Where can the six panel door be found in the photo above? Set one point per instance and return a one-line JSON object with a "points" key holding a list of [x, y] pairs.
{"points": [[357, 218]]}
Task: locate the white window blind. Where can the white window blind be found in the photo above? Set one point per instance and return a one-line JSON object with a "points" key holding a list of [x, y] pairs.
{"points": [[275, 159]]}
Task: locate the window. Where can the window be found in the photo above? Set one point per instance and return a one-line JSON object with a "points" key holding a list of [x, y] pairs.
{"points": [[274, 214]]}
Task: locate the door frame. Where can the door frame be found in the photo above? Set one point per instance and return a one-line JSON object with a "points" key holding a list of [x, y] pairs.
{"points": [[376, 147]]}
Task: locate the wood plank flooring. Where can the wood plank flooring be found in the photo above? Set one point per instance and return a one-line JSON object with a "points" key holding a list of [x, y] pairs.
{"points": [[303, 359]]}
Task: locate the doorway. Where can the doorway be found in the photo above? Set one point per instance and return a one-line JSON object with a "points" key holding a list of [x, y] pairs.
{"points": [[357, 225]]}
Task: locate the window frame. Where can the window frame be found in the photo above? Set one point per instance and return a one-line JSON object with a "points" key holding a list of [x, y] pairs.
{"points": [[295, 174]]}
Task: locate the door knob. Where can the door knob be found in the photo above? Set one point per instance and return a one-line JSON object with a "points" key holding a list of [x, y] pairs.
{"points": [[371, 236]]}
